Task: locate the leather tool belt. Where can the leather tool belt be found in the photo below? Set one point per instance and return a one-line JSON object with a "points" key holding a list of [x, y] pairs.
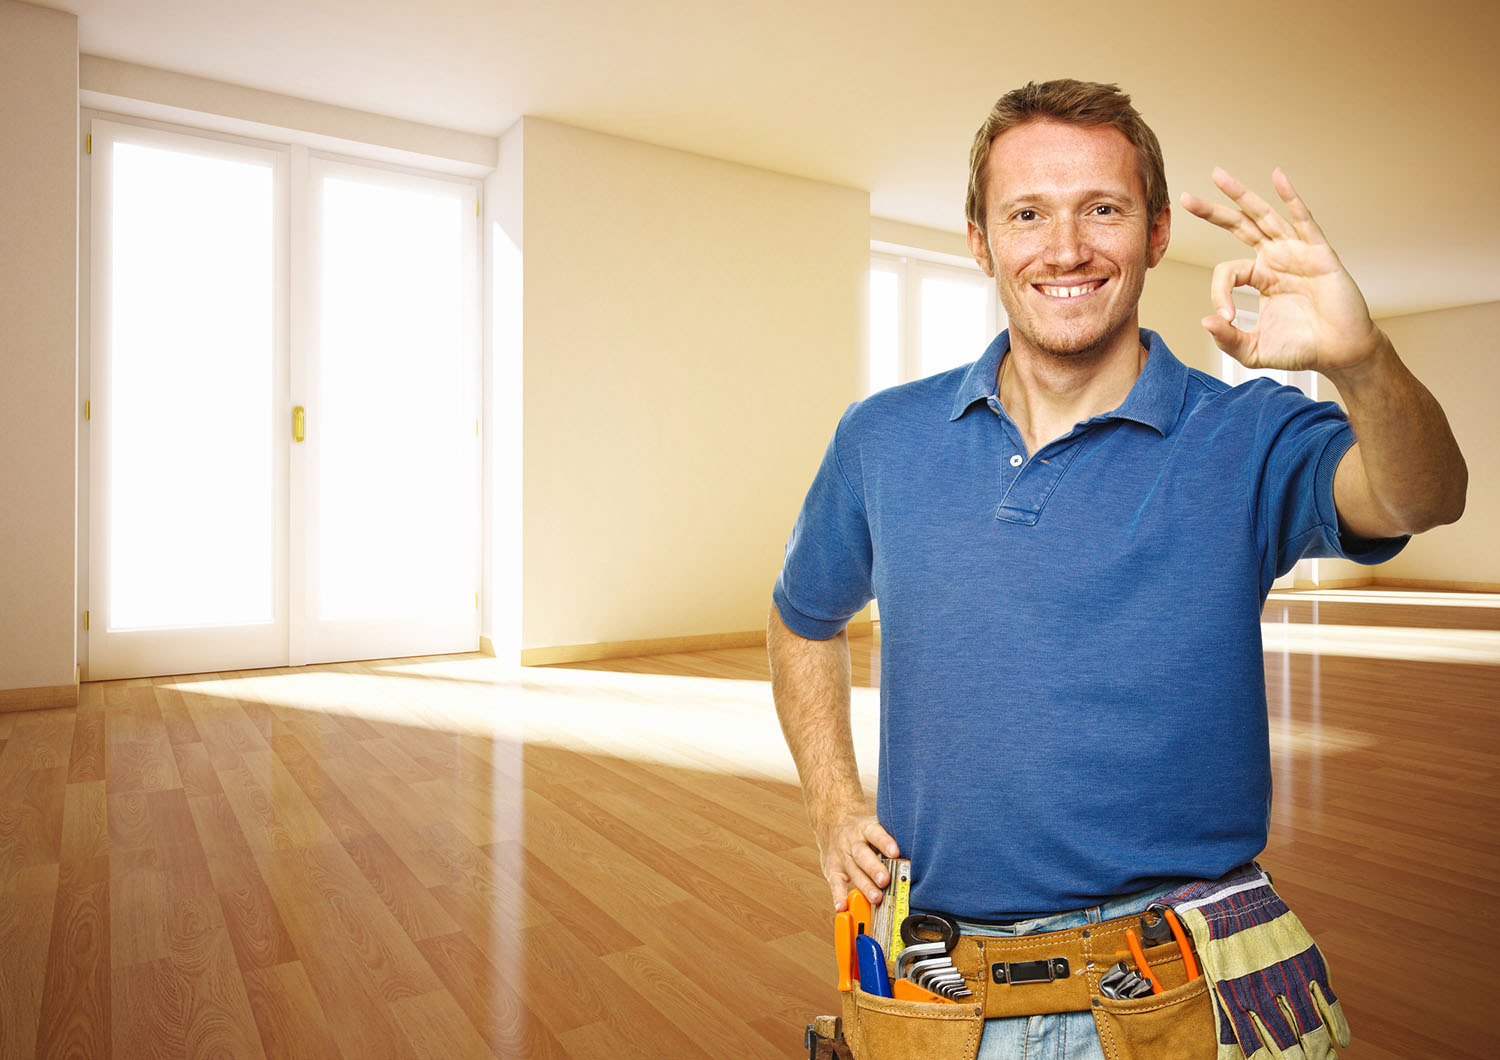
{"points": [[1055, 971], [1252, 984], [1031, 975]]}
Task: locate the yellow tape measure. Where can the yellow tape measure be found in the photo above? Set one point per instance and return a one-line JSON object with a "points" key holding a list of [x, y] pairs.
{"points": [[898, 898]]}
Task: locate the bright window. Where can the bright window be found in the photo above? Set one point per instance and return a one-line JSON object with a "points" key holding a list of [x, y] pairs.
{"points": [[192, 335], [926, 316]]}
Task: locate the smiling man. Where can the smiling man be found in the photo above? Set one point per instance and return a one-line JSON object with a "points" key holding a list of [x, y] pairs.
{"points": [[1071, 541]]}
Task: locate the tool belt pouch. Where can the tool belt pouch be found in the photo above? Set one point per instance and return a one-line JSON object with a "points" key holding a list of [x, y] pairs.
{"points": [[1268, 979], [1177, 1024], [884, 1028]]}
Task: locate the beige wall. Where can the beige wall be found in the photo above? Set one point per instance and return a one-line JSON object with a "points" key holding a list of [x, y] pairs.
{"points": [[1175, 299], [1453, 352], [692, 333], [38, 344]]}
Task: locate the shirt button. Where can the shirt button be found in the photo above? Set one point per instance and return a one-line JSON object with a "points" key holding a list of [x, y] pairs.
{"points": [[1015, 460]]}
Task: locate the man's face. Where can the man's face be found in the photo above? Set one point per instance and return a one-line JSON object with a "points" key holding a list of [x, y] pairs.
{"points": [[1067, 238]]}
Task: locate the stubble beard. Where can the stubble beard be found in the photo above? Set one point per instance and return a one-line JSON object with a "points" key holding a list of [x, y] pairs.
{"points": [[1064, 347]]}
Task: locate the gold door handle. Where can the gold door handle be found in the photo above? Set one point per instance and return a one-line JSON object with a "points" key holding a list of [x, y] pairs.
{"points": [[299, 424]]}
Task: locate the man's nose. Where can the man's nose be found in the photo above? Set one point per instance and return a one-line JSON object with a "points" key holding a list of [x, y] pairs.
{"points": [[1068, 248]]}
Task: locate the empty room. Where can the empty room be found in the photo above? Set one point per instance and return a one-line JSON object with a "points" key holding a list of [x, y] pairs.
{"points": [[809, 530]]}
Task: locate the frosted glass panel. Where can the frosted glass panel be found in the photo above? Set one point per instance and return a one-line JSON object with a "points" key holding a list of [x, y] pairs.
{"points": [[955, 328], [191, 350], [394, 423], [885, 328]]}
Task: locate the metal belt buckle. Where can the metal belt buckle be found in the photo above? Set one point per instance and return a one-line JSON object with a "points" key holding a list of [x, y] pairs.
{"points": [[1020, 973]]}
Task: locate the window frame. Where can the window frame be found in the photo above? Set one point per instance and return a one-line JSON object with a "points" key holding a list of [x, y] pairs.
{"points": [[911, 265], [294, 237]]}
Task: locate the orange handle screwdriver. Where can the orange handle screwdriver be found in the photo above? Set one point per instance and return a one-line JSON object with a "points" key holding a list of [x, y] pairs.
{"points": [[843, 948]]}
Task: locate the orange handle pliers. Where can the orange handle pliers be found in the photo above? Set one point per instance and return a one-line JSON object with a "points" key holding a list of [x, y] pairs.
{"points": [[1189, 965], [1134, 942]]}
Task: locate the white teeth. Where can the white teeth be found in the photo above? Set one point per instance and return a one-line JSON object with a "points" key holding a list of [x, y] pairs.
{"points": [[1070, 292]]}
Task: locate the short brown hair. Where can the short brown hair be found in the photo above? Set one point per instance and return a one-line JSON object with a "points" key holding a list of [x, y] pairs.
{"points": [[1076, 103]]}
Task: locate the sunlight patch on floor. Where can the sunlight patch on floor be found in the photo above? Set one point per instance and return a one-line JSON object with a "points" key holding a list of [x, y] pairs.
{"points": [[1308, 738], [1409, 643], [1433, 598]]}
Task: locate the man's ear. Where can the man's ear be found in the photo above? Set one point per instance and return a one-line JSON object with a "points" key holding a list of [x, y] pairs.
{"points": [[981, 251], [1161, 234]]}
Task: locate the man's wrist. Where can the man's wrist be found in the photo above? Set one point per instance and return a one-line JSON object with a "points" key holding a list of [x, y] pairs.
{"points": [[1367, 370], [831, 808]]}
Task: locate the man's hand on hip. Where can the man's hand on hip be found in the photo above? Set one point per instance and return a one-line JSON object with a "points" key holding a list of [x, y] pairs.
{"points": [[850, 847]]}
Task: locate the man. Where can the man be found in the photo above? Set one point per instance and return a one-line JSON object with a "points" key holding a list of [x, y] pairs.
{"points": [[1071, 541]]}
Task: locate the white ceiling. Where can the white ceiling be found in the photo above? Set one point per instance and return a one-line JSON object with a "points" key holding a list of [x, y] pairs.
{"points": [[1385, 112]]}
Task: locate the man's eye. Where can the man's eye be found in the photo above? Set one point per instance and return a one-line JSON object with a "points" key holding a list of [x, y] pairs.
{"points": [[1104, 209], [1026, 215]]}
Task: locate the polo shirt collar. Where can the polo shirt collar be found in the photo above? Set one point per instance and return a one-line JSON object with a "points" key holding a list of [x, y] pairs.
{"points": [[983, 378], [1155, 400]]}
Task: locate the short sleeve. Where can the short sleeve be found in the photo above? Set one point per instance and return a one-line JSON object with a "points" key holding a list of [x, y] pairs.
{"points": [[826, 575], [1304, 441]]}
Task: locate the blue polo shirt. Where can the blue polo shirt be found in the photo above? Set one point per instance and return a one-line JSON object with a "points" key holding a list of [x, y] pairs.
{"points": [[1072, 692]]}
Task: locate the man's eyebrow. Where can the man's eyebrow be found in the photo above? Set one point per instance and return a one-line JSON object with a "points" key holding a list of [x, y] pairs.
{"points": [[1027, 198]]}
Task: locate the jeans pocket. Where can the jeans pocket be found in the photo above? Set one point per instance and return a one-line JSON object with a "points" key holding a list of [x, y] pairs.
{"points": [[1177, 1024], [884, 1028]]}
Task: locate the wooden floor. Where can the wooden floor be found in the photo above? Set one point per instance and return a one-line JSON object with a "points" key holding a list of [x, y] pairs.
{"points": [[442, 858]]}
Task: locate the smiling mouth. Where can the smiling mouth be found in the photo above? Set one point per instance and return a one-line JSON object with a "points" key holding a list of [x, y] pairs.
{"points": [[1073, 291]]}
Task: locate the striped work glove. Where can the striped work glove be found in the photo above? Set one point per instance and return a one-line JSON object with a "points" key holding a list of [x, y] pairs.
{"points": [[1270, 981]]}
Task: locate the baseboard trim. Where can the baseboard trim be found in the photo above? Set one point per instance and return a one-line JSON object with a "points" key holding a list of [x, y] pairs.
{"points": [[1436, 585], [1430, 584], [559, 654], [50, 697], [487, 645]]}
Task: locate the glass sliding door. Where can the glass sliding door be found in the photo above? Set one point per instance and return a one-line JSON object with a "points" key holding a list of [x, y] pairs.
{"points": [[188, 503], [283, 443], [393, 451]]}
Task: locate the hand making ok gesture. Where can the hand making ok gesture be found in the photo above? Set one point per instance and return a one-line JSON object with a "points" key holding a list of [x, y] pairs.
{"points": [[1311, 313]]}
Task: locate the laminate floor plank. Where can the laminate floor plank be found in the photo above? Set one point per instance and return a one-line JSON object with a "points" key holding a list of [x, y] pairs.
{"points": [[290, 1019], [86, 759], [350, 996], [446, 856], [28, 898], [492, 998], [195, 769], [254, 923], [438, 1029], [85, 827], [412, 905], [176, 721], [679, 1000], [215, 1009], [75, 1014], [600, 930]]}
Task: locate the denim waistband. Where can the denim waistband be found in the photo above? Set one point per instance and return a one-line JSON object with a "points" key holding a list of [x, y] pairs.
{"points": [[1115, 907]]}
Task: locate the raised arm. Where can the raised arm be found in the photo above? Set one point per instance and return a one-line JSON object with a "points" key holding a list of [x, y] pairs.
{"points": [[810, 683], [1405, 473]]}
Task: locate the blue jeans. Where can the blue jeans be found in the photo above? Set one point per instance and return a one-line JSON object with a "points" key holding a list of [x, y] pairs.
{"points": [[1066, 1035]]}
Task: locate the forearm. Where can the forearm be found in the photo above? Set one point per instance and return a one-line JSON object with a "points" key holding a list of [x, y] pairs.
{"points": [[1405, 473], [810, 683]]}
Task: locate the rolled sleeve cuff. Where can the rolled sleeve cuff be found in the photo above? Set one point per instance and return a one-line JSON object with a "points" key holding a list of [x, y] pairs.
{"points": [[1350, 546], [802, 624]]}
